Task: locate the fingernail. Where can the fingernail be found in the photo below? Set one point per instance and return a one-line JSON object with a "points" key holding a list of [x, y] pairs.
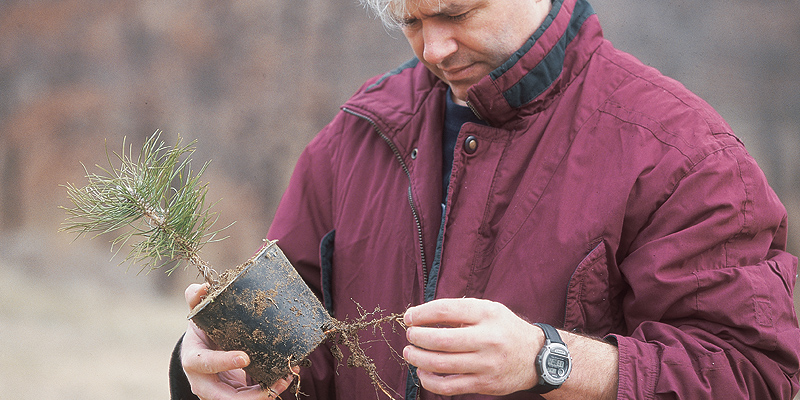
{"points": [[407, 318], [240, 362]]}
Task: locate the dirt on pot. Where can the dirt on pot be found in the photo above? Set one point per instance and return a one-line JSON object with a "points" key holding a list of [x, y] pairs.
{"points": [[265, 308]]}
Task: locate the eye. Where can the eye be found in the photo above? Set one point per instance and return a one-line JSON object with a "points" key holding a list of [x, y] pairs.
{"points": [[408, 22], [459, 17]]}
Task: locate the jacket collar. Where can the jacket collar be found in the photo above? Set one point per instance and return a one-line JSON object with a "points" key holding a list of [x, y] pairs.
{"points": [[525, 84], [540, 69]]}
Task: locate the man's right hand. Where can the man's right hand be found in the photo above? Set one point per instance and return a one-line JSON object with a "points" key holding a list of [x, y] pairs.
{"points": [[216, 374]]}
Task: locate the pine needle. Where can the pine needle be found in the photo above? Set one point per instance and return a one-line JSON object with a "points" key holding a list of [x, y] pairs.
{"points": [[154, 199]]}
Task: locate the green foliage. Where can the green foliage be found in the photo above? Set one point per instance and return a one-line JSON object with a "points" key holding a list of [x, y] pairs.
{"points": [[157, 197]]}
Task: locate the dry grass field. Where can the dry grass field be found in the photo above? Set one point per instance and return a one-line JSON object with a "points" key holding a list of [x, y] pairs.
{"points": [[83, 341]]}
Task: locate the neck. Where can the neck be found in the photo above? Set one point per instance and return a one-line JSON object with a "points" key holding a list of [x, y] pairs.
{"points": [[457, 100]]}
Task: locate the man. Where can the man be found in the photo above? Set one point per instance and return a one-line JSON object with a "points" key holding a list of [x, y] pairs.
{"points": [[522, 174]]}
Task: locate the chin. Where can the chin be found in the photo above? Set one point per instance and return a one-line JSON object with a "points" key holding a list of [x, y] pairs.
{"points": [[460, 95]]}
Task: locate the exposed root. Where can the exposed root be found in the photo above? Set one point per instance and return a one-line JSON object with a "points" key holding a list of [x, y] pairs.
{"points": [[346, 333], [296, 380]]}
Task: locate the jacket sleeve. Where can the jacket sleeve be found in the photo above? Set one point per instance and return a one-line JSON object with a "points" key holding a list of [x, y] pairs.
{"points": [[179, 387], [710, 311], [302, 220]]}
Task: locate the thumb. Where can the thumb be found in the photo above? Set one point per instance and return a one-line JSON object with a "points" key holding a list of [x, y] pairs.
{"points": [[194, 293], [212, 362]]}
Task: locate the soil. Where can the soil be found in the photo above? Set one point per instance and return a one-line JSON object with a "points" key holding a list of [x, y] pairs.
{"points": [[264, 308], [225, 278], [238, 309]]}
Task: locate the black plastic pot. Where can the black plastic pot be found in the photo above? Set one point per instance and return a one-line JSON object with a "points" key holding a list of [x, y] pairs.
{"points": [[268, 312]]}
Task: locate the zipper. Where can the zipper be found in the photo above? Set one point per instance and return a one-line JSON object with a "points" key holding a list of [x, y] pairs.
{"points": [[474, 111], [403, 165]]}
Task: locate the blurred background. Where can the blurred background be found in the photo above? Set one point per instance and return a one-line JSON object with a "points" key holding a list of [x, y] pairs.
{"points": [[253, 81]]}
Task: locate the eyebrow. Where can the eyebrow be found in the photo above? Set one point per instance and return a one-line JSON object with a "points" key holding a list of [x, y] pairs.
{"points": [[444, 8], [448, 9]]}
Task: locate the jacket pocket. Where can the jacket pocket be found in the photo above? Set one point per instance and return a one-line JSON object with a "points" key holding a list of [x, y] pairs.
{"points": [[594, 296]]}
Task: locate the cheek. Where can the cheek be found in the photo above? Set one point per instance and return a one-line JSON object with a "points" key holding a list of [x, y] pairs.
{"points": [[497, 51], [415, 41]]}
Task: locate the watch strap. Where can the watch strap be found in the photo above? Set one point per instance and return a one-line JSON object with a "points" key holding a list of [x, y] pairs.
{"points": [[550, 333], [551, 336]]}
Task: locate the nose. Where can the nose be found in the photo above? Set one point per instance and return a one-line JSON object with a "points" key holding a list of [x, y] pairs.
{"points": [[439, 43]]}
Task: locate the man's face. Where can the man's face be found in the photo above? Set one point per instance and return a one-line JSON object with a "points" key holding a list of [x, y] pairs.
{"points": [[461, 41]]}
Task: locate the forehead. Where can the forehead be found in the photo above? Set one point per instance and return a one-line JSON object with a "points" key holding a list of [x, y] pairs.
{"points": [[403, 8]]}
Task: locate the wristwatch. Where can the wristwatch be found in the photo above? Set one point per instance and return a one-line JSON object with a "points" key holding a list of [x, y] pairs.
{"points": [[553, 364]]}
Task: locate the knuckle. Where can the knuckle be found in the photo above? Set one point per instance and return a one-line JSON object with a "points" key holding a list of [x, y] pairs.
{"points": [[187, 362], [494, 339], [199, 362], [194, 362], [449, 390], [441, 364], [484, 386], [493, 308], [206, 366]]}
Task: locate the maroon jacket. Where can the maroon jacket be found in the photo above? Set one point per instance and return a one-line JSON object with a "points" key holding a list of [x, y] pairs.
{"points": [[603, 198]]}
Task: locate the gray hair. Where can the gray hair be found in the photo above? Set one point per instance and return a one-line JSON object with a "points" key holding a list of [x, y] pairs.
{"points": [[385, 10], [390, 11]]}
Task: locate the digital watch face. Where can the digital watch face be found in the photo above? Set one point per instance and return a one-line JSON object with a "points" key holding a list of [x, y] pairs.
{"points": [[556, 364]]}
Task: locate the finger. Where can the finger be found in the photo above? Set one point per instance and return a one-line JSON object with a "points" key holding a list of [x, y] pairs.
{"points": [[449, 385], [444, 363], [206, 361], [282, 384], [194, 293], [213, 388], [450, 340], [200, 365], [195, 339], [450, 312]]}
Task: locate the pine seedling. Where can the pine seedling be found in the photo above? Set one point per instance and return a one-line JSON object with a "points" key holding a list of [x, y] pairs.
{"points": [[155, 200]]}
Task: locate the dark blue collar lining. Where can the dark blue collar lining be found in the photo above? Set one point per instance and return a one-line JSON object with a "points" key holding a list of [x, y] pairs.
{"points": [[544, 74], [497, 73]]}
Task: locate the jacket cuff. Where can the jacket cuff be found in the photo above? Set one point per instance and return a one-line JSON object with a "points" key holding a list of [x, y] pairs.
{"points": [[179, 387], [638, 367]]}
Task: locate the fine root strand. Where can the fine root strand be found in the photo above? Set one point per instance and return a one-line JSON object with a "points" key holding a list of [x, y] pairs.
{"points": [[296, 380], [346, 333]]}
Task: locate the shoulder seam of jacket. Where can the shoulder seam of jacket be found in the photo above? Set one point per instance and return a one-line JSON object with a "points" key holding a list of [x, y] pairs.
{"points": [[406, 65]]}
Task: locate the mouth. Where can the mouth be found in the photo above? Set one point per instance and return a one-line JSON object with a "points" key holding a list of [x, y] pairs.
{"points": [[457, 74]]}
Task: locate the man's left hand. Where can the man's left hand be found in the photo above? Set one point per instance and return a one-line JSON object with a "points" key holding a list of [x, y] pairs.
{"points": [[471, 346]]}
